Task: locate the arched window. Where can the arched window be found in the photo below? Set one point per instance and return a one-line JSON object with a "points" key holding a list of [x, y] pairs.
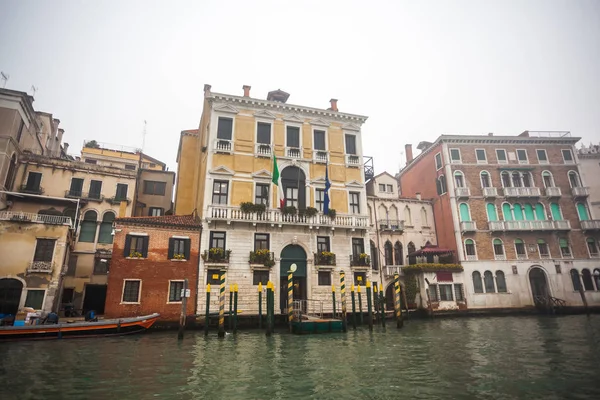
{"points": [[597, 278], [527, 179], [488, 280], [398, 254], [105, 235], [518, 212], [410, 248], [393, 215], [500, 282], [465, 215], [540, 214], [592, 246], [388, 252], [586, 276], [477, 284], [459, 179], [407, 216], [498, 249], [424, 219], [516, 179], [582, 211], [520, 249], [505, 179], [382, 213], [12, 168], [470, 249], [574, 180], [374, 256], [507, 212], [528, 208], [543, 248], [491, 212], [555, 210], [443, 188], [548, 179], [293, 180], [575, 279], [565, 248], [87, 231], [486, 182]]}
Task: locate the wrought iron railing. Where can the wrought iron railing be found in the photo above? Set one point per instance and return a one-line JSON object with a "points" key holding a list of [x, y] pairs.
{"points": [[31, 189], [18, 216], [360, 260], [43, 267], [324, 258]]}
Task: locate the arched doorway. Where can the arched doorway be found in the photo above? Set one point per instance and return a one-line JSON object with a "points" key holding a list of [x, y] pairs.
{"points": [[10, 295], [294, 183], [539, 286], [292, 254]]}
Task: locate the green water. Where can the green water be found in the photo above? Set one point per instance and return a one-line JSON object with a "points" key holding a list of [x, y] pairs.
{"points": [[467, 358]]}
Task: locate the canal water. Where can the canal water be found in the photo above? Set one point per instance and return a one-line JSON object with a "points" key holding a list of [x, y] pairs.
{"points": [[466, 358]]}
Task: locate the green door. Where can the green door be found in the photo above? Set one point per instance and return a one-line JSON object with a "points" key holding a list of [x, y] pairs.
{"points": [[292, 254], [583, 212], [464, 212], [556, 214]]}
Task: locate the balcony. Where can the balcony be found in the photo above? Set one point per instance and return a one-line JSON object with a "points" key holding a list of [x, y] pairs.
{"points": [[391, 225], [275, 216], [223, 146], [391, 270], [293, 152], [31, 189], [590, 225], [490, 192], [471, 257], [468, 226], [463, 192], [75, 194], [562, 225], [521, 192], [580, 191], [352, 160], [529, 225], [40, 267], [262, 256], [263, 150], [216, 256], [17, 216], [325, 258], [320, 156], [360, 260], [553, 192], [117, 200]]}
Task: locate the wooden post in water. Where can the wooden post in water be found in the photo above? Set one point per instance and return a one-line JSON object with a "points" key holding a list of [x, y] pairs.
{"points": [[360, 310], [585, 303], [272, 307], [222, 305], [207, 318], [290, 289], [382, 307], [230, 316], [375, 299], [369, 306], [269, 310], [397, 305], [183, 310], [343, 297], [353, 307], [260, 305], [333, 299], [235, 300]]}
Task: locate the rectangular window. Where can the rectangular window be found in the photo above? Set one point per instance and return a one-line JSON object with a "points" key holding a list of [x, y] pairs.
{"points": [[130, 167], [324, 278], [156, 211], [433, 293], [319, 199], [390, 188], [358, 246], [72, 265], [565, 248], [67, 295], [446, 293], [520, 249], [91, 161], [260, 276], [95, 189], [76, 188], [543, 249], [101, 266], [567, 156], [131, 291], [155, 188], [263, 133], [501, 156], [291, 197], [136, 245], [355, 202], [481, 156], [44, 250], [213, 276], [220, 191], [175, 288], [179, 249], [350, 144], [35, 299], [360, 278], [522, 156], [458, 292], [438, 161], [261, 195], [542, 156], [121, 193], [217, 240], [323, 244], [382, 187], [293, 136], [319, 140], [455, 155], [224, 128], [33, 182], [261, 241]]}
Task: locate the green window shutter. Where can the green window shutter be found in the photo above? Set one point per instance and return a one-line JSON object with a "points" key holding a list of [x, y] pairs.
{"points": [[87, 232], [539, 212], [497, 242], [171, 248], [556, 214], [582, 211], [518, 241], [464, 212], [529, 212], [563, 242], [491, 212], [507, 212], [127, 250], [145, 246], [518, 210], [187, 244]]}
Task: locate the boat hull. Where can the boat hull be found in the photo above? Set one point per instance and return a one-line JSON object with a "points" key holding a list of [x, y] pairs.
{"points": [[111, 327]]}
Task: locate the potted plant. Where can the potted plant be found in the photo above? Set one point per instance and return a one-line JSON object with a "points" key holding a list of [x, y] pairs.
{"points": [[135, 254], [261, 256], [332, 213], [247, 207], [178, 256], [310, 211], [326, 258], [289, 210]]}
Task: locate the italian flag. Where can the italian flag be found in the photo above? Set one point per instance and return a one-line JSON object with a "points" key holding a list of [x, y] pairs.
{"points": [[277, 182]]}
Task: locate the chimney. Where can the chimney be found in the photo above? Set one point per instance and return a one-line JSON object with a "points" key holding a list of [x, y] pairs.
{"points": [[418, 194], [60, 135], [246, 90], [408, 151], [491, 134], [333, 103], [65, 147], [206, 89]]}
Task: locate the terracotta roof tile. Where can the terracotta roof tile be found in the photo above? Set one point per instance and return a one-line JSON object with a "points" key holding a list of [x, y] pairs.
{"points": [[187, 221]]}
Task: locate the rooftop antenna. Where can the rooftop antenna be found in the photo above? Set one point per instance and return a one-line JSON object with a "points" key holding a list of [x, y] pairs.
{"points": [[34, 89], [5, 78]]}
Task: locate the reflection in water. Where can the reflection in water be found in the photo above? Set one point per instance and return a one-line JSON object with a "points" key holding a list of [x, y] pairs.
{"points": [[497, 358]]}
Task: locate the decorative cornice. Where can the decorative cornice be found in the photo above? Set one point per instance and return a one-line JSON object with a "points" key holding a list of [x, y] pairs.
{"points": [[293, 118], [320, 122], [264, 114], [351, 127], [262, 174], [226, 108], [222, 170], [355, 184]]}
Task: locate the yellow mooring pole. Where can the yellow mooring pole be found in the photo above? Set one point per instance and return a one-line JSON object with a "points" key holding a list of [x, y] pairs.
{"points": [[290, 298], [399, 321], [343, 296], [222, 305]]}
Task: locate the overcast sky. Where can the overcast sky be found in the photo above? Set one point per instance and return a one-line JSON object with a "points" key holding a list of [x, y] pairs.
{"points": [[418, 69]]}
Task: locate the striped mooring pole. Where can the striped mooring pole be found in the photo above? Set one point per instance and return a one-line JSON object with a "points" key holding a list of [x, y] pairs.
{"points": [[290, 289], [222, 305], [269, 310], [230, 315], [398, 308], [343, 296], [382, 306], [333, 299], [260, 305], [207, 318], [353, 307], [360, 311], [369, 306], [235, 300]]}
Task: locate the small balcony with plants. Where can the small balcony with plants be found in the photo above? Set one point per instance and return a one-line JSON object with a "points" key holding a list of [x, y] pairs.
{"points": [[324, 259], [118, 199], [262, 257], [360, 260], [431, 258], [216, 255]]}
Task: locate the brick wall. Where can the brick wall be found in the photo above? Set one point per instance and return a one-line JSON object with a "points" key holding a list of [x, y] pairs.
{"points": [[155, 272]]}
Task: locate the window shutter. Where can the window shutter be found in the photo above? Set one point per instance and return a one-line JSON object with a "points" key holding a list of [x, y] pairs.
{"points": [[187, 244], [127, 246], [171, 248], [145, 246]]}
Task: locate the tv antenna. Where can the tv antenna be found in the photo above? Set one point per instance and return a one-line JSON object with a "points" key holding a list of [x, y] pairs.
{"points": [[5, 78], [34, 89]]}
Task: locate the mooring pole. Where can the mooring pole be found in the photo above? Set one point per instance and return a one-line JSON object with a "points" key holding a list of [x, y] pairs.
{"points": [[375, 299], [183, 310], [333, 299], [260, 305], [343, 295], [382, 307], [397, 306], [269, 309], [230, 316], [206, 319], [353, 307], [235, 300], [369, 306], [360, 311], [222, 305], [272, 307], [290, 298]]}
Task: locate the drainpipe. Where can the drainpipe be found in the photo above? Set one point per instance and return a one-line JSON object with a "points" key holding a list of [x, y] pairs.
{"points": [[198, 269], [378, 248]]}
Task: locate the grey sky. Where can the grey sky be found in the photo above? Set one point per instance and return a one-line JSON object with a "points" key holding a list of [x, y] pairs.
{"points": [[418, 69]]}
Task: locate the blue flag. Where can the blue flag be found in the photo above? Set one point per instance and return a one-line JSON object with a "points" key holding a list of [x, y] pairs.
{"points": [[327, 186]]}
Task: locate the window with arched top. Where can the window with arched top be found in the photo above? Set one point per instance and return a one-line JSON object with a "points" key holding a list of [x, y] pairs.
{"points": [[424, 219], [516, 179], [398, 254], [574, 180], [540, 212], [470, 250], [500, 282], [382, 213], [597, 278], [528, 210], [477, 284], [105, 235], [465, 213], [374, 256], [575, 279], [548, 179], [407, 216], [520, 249], [555, 210], [527, 179], [586, 277], [492, 213], [486, 181], [592, 247], [518, 212], [507, 212], [459, 179], [388, 253], [498, 249], [410, 248], [543, 248], [505, 177], [488, 281], [87, 232], [393, 214], [582, 211]]}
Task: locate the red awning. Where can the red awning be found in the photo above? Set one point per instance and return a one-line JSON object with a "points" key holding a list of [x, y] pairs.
{"points": [[434, 250], [444, 276]]}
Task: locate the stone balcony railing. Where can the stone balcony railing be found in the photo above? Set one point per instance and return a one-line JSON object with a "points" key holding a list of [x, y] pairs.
{"points": [[352, 160], [521, 192], [293, 152], [463, 192], [31, 189], [263, 150], [580, 191], [42, 267], [529, 225], [590, 225], [390, 225], [17, 216], [468, 226], [223, 146], [76, 194], [320, 156], [490, 192], [391, 270], [275, 216], [553, 192]]}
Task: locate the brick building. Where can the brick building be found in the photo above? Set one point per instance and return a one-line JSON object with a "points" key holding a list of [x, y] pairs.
{"points": [[152, 256], [515, 209]]}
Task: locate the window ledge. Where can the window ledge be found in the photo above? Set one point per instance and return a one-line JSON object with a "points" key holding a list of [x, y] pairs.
{"points": [[174, 302], [129, 302], [175, 259], [259, 267], [136, 258]]}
